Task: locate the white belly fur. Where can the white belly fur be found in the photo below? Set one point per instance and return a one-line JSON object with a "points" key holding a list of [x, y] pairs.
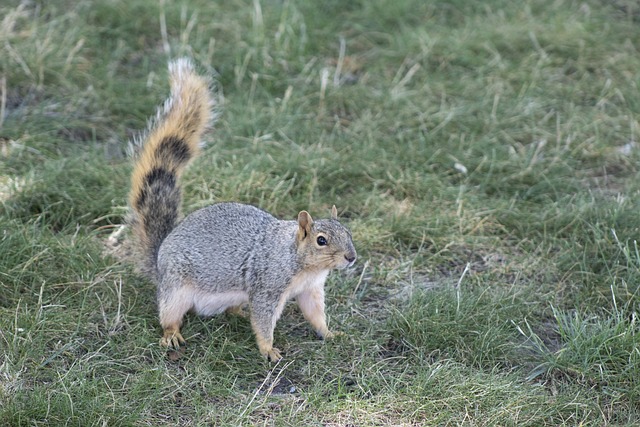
{"points": [[209, 304]]}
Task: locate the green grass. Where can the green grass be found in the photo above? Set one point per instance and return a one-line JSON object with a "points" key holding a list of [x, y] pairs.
{"points": [[484, 155]]}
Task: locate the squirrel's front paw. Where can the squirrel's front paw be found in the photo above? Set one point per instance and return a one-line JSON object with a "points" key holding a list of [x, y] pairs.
{"points": [[172, 338], [272, 354]]}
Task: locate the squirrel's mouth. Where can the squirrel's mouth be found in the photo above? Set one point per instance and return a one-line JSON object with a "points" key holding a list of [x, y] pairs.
{"points": [[349, 260]]}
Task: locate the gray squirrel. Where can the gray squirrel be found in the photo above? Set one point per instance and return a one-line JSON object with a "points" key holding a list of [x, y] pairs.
{"points": [[226, 255]]}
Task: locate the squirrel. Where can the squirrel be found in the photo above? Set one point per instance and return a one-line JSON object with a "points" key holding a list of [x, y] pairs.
{"points": [[226, 255]]}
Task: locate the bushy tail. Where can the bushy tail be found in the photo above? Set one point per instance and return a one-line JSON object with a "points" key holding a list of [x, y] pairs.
{"points": [[172, 140]]}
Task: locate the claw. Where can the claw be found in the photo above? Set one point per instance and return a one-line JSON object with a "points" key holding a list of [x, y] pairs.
{"points": [[329, 335], [272, 354], [237, 310], [172, 339]]}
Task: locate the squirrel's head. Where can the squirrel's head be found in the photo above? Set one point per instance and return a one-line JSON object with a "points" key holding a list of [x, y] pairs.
{"points": [[324, 243]]}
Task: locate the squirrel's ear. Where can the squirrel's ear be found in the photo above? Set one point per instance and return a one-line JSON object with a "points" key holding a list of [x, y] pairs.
{"points": [[334, 213], [304, 222]]}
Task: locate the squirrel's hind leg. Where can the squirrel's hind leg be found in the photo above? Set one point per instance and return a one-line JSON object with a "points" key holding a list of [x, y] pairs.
{"points": [[173, 304]]}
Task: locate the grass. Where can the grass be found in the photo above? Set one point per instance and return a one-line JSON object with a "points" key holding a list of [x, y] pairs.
{"points": [[484, 155]]}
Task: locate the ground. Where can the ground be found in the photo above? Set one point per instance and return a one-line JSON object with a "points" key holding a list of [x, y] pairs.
{"points": [[483, 155]]}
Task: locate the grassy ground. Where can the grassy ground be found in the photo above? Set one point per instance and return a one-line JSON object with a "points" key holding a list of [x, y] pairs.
{"points": [[484, 155]]}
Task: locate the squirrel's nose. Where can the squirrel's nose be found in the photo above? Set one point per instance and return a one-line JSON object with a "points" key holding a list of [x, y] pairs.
{"points": [[350, 258]]}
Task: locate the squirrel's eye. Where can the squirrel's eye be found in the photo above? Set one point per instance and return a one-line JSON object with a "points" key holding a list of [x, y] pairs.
{"points": [[321, 241]]}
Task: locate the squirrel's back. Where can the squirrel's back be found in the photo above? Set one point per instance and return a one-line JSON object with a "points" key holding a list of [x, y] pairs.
{"points": [[219, 247], [172, 140]]}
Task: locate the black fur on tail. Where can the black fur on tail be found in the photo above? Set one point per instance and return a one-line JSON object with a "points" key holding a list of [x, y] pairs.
{"points": [[158, 205]]}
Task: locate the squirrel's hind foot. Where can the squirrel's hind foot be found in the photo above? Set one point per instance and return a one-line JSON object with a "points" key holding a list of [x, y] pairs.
{"points": [[238, 310], [331, 334], [172, 338]]}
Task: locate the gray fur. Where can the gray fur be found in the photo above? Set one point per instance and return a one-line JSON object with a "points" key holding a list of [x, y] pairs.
{"points": [[227, 254]]}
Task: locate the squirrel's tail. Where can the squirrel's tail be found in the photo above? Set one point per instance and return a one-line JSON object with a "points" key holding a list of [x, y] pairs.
{"points": [[171, 141]]}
